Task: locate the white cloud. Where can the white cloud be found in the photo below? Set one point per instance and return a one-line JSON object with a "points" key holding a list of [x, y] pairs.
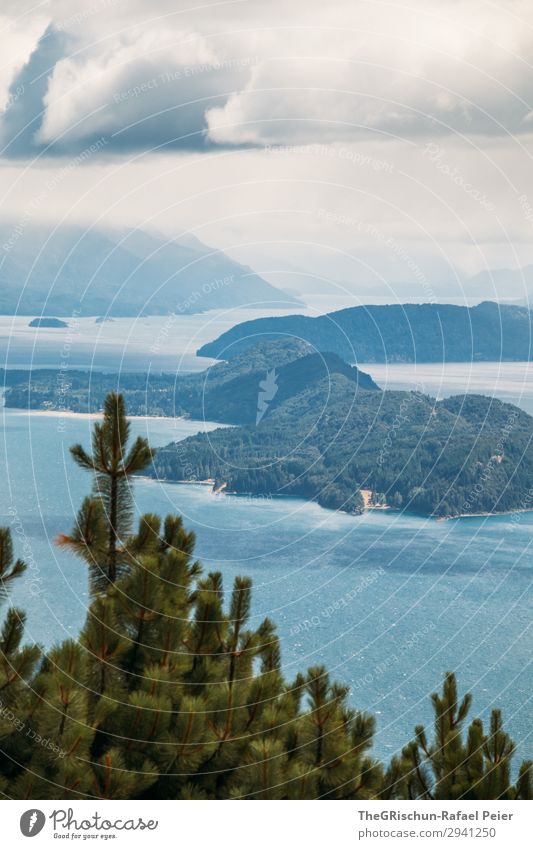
{"points": [[134, 77], [424, 69], [305, 73], [19, 36]]}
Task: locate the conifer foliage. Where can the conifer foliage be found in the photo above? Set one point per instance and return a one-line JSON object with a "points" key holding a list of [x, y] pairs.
{"points": [[454, 766], [105, 517], [172, 692]]}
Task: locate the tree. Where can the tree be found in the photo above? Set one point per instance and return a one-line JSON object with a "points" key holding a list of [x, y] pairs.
{"points": [[105, 517], [452, 767], [9, 567], [18, 665]]}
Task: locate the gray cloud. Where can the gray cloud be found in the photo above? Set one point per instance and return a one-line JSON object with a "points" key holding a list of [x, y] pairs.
{"points": [[190, 78], [136, 94], [325, 139], [406, 76], [24, 114]]}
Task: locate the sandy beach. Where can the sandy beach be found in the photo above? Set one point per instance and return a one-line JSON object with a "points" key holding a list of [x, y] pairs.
{"points": [[69, 414]]}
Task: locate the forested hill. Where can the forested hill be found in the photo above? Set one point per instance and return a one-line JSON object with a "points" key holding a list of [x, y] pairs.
{"points": [[232, 392], [463, 455], [315, 427], [396, 333]]}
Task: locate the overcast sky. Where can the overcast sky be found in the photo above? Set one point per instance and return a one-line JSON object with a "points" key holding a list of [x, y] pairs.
{"points": [[382, 148]]}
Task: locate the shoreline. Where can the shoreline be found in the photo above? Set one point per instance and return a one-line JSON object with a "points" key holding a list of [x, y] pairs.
{"points": [[366, 494], [71, 414], [483, 515], [207, 482], [379, 508]]}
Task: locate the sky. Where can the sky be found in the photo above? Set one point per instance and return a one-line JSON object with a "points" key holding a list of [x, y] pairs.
{"points": [[369, 150]]}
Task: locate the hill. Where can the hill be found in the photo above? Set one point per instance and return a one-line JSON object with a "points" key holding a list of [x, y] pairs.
{"points": [[227, 392], [396, 333], [338, 444], [310, 425], [256, 384], [72, 270]]}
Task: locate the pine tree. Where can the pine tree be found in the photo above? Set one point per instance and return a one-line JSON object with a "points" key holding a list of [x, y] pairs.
{"points": [[452, 767], [17, 667], [105, 518], [9, 567]]}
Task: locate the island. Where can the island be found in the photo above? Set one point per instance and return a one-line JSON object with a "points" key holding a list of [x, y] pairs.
{"points": [[47, 322], [308, 424], [226, 392], [345, 444], [396, 333]]}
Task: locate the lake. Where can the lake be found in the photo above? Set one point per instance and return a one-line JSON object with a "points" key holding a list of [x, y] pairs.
{"points": [[511, 382], [387, 601], [144, 343]]}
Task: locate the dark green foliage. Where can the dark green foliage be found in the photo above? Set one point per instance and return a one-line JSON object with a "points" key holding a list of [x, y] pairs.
{"points": [[168, 694], [391, 333], [455, 765], [18, 667], [105, 518], [227, 392], [463, 455], [324, 433], [9, 567]]}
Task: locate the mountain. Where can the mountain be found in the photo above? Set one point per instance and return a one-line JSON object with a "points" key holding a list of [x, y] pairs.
{"points": [[511, 284], [256, 384], [396, 333], [80, 271]]}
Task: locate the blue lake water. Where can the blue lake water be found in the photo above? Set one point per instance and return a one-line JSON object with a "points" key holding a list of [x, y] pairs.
{"points": [[387, 601]]}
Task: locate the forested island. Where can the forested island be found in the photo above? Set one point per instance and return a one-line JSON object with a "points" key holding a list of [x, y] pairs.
{"points": [[396, 333], [45, 321], [310, 425], [227, 392], [461, 456]]}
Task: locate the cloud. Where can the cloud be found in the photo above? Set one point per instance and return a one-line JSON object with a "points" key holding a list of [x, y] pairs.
{"points": [[139, 90], [408, 130], [415, 73], [24, 112], [19, 37], [185, 77]]}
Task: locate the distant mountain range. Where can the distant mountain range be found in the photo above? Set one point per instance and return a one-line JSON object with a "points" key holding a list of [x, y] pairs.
{"points": [[511, 284], [396, 333], [79, 271]]}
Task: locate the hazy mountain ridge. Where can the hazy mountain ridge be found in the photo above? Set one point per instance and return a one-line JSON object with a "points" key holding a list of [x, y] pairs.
{"points": [[397, 333], [77, 271]]}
